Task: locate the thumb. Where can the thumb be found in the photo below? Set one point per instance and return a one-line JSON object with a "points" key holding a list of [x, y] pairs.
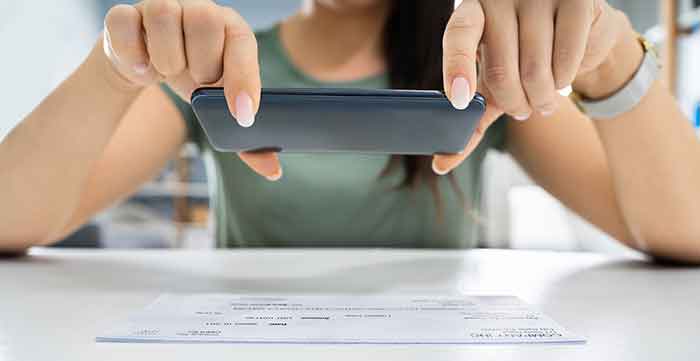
{"points": [[493, 111]]}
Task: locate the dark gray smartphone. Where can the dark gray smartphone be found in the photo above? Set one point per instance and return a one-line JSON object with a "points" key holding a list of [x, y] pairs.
{"points": [[415, 122]]}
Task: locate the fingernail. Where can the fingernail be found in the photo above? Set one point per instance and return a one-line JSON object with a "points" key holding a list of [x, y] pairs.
{"points": [[547, 111], [439, 171], [275, 177], [461, 93], [522, 117], [244, 110], [140, 69], [565, 91]]}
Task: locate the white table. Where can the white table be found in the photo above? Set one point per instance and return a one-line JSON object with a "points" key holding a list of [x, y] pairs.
{"points": [[53, 303]]}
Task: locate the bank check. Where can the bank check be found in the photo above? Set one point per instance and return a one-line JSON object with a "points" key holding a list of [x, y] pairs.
{"points": [[224, 318]]}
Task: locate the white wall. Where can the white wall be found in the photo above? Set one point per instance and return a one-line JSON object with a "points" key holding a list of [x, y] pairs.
{"points": [[41, 46], [644, 13]]}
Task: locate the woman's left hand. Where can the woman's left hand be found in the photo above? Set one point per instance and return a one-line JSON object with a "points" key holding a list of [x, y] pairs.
{"points": [[526, 50]]}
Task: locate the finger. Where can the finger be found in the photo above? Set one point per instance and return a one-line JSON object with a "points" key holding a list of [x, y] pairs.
{"points": [[501, 69], [536, 43], [203, 26], [124, 43], [459, 46], [162, 22], [241, 69], [264, 163], [445, 163], [572, 28], [604, 34]]}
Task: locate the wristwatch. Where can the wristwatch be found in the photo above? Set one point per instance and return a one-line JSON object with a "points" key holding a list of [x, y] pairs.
{"points": [[630, 95]]}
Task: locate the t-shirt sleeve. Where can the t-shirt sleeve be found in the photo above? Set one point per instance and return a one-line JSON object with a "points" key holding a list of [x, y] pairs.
{"points": [[194, 130]]}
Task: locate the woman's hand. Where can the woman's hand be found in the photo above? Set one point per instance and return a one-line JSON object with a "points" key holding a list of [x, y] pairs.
{"points": [[526, 50], [188, 44]]}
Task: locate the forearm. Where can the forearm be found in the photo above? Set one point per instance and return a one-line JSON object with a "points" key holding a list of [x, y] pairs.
{"points": [[45, 160], [654, 159]]}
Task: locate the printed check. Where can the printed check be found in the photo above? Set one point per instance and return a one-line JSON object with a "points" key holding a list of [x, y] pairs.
{"points": [[221, 318]]}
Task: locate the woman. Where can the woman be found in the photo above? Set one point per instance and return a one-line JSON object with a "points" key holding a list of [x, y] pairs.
{"points": [[109, 127]]}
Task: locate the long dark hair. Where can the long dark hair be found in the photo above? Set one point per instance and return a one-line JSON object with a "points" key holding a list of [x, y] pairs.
{"points": [[413, 50]]}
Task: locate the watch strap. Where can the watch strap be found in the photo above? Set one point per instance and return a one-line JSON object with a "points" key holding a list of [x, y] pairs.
{"points": [[630, 95]]}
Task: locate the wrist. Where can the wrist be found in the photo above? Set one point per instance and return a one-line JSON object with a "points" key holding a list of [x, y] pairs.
{"points": [[618, 68]]}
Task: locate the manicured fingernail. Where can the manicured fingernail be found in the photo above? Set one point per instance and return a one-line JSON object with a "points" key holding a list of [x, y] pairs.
{"points": [[140, 69], [461, 93], [244, 110], [547, 111], [522, 117], [275, 177], [565, 91], [439, 171]]}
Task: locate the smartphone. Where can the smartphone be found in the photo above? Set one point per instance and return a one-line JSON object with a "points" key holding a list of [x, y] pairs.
{"points": [[411, 122]]}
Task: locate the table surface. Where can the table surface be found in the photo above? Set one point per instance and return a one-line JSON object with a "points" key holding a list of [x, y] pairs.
{"points": [[54, 302]]}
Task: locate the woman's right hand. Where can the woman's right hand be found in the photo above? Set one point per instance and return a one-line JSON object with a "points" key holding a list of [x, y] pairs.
{"points": [[188, 44]]}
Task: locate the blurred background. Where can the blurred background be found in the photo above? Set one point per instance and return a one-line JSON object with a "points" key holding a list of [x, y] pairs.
{"points": [[44, 41]]}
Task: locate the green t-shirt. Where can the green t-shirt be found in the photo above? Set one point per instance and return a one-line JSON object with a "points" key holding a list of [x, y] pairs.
{"points": [[334, 199]]}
